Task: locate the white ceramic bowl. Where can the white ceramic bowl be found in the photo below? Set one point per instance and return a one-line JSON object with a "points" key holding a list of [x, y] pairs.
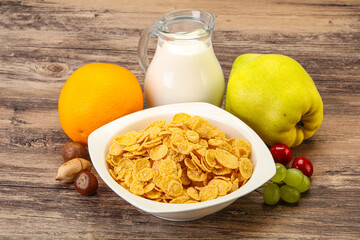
{"points": [[100, 140]]}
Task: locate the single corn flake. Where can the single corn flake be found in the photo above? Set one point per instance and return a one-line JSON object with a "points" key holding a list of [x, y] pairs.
{"points": [[185, 147], [123, 174], [226, 159], [201, 151], [197, 176], [149, 187], [177, 138], [141, 164], [203, 143], [175, 188], [143, 138], [153, 143], [184, 178], [204, 165], [175, 124], [157, 179], [245, 167], [195, 160], [208, 193], [193, 193], [210, 157], [235, 185], [128, 179], [158, 152], [116, 149], [156, 165], [190, 164], [137, 187], [222, 185], [221, 171], [178, 157], [182, 117], [126, 163], [153, 194], [132, 148], [192, 136], [202, 127], [179, 200], [145, 174], [165, 181], [126, 140], [153, 132], [159, 123], [168, 167], [215, 142]]}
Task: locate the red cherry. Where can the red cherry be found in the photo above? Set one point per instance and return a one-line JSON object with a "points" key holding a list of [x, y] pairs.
{"points": [[281, 153], [304, 165]]}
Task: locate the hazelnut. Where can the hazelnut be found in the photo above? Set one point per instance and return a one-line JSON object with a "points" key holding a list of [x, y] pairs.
{"points": [[73, 150], [86, 183]]}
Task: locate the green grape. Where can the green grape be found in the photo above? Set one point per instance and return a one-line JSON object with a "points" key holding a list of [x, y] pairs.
{"points": [[304, 185], [280, 173], [289, 194], [293, 177], [271, 194]]}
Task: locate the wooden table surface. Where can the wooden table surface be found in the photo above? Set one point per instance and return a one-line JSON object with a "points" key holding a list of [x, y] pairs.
{"points": [[43, 42]]}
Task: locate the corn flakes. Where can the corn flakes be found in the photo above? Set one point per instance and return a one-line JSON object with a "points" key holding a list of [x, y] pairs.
{"points": [[186, 160]]}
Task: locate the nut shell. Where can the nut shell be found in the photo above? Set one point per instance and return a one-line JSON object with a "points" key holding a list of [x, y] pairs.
{"points": [[70, 169], [73, 150], [86, 183]]}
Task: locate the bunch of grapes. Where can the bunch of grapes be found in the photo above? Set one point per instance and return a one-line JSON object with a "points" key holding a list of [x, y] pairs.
{"points": [[287, 184]]}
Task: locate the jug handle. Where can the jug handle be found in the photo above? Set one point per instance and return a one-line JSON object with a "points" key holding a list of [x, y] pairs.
{"points": [[143, 46]]}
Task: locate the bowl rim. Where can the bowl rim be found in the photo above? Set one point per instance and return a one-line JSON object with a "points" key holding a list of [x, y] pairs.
{"points": [[98, 152]]}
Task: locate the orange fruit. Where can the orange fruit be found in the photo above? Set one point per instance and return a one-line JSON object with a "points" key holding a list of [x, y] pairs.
{"points": [[96, 94]]}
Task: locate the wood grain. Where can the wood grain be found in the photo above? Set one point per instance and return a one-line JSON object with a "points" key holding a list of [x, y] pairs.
{"points": [[43, 42]]}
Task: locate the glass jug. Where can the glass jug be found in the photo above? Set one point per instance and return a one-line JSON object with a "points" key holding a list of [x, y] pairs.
{"points": [[184, 67]]}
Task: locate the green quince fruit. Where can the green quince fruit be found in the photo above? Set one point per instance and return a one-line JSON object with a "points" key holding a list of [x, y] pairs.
{"points": [[276, 97]]}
